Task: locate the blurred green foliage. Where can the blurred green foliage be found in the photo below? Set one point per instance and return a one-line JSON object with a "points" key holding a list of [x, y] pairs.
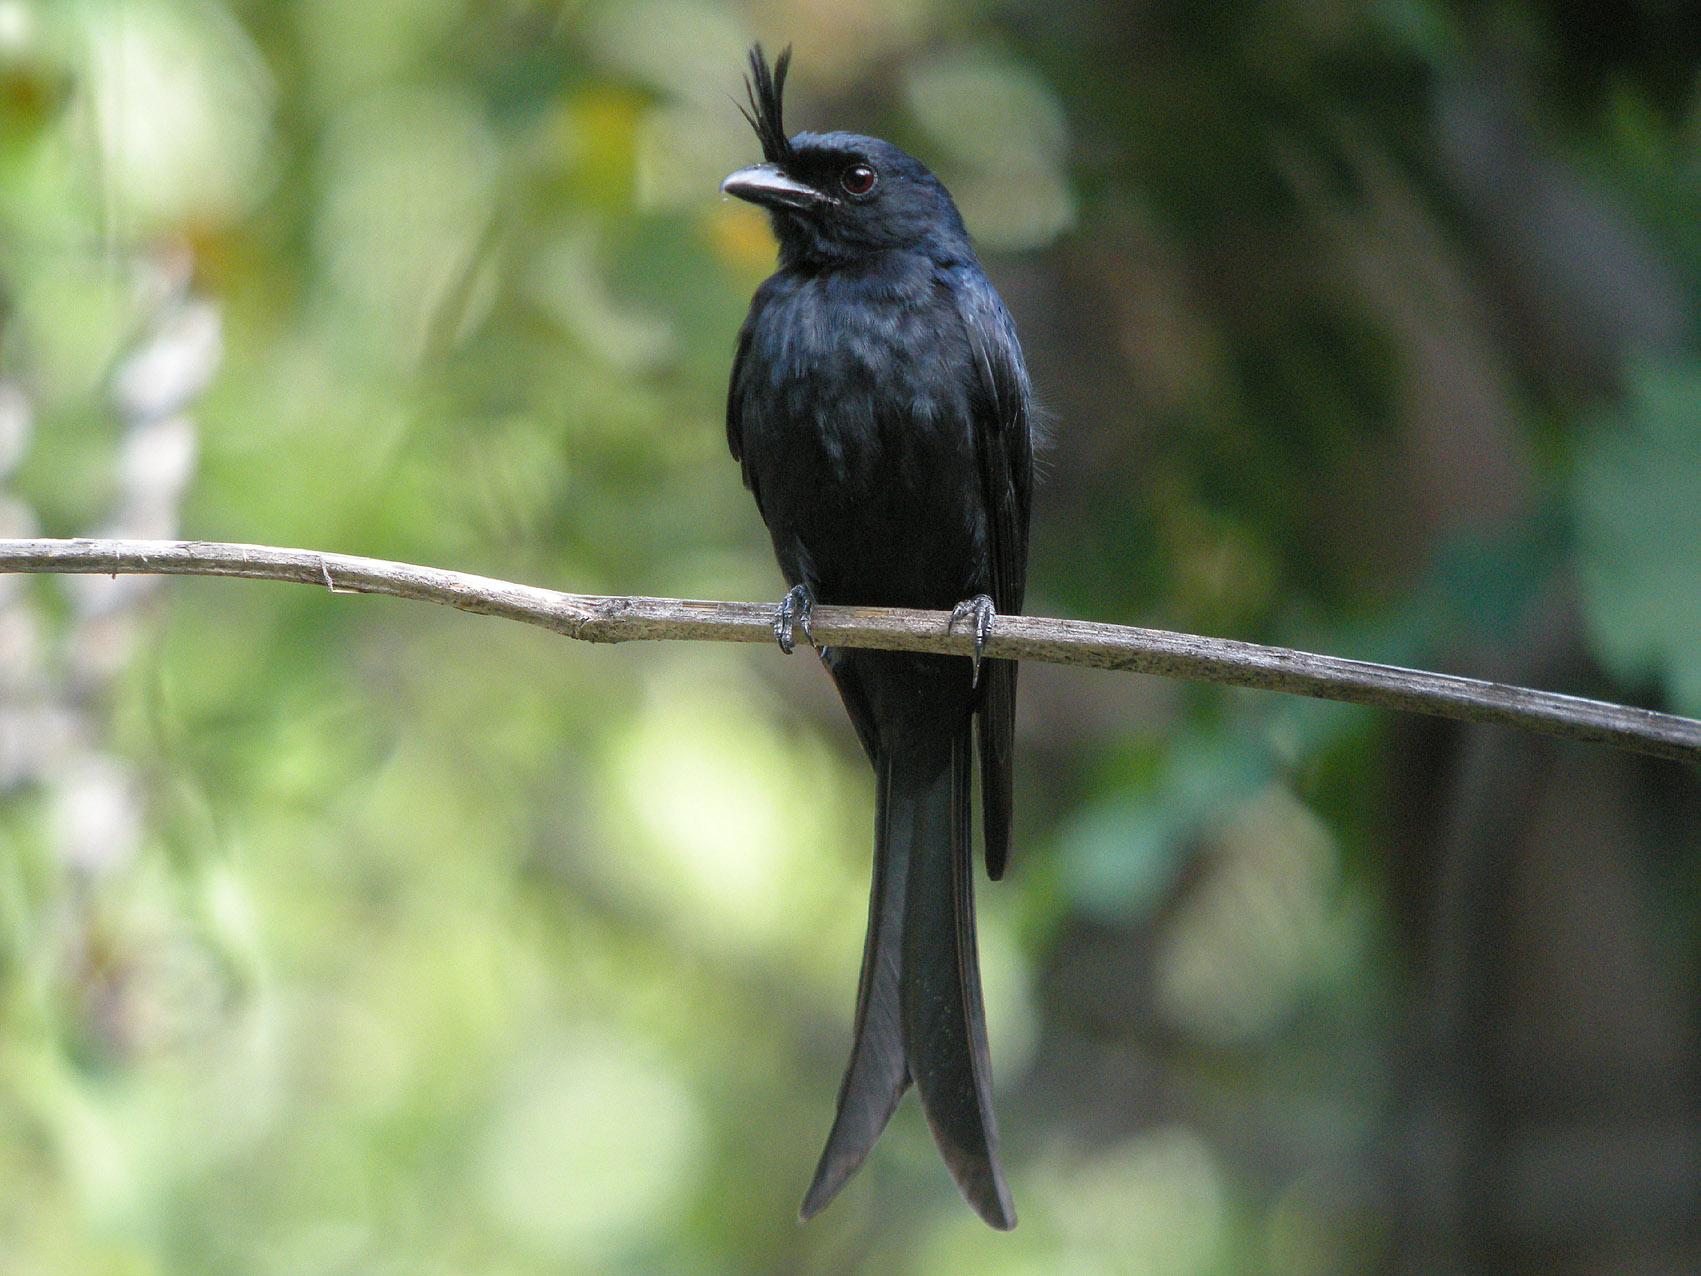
{"points": [[1640, 532], [337, 935]]}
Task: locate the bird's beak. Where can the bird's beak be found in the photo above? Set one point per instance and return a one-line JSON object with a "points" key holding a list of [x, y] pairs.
{"points": [[768, 185]]}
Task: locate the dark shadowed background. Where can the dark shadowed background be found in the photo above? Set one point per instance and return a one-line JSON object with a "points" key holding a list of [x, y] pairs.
{"points": [[344, 935]]}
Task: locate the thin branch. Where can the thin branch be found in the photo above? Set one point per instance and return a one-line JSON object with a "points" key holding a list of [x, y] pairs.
{"points": [[596, 618]]}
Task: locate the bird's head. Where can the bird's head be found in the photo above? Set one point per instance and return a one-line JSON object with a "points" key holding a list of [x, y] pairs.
{"points": [[836, 197]]}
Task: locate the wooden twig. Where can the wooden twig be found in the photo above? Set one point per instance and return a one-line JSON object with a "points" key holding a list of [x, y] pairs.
{"points": [[596, 618]]}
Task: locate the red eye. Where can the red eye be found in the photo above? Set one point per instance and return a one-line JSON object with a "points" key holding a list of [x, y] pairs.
{"points": [[858, 179]]}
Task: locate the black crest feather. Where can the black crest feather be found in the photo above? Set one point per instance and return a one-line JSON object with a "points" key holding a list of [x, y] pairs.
{"points": [[765, 88]]}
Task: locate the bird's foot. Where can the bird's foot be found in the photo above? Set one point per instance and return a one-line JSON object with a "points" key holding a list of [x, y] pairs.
{"points": [[981, 609], [794, 613]]}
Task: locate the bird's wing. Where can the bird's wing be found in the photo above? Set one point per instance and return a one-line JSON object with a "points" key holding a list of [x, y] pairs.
{"points": [[1004, 449], [735, 396], [1002, 435]]}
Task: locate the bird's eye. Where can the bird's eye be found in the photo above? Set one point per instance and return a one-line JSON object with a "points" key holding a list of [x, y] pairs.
{"points": [[858, 179]]}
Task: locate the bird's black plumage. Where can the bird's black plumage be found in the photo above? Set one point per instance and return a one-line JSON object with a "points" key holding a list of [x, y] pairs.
{"points": [[879, 409]]}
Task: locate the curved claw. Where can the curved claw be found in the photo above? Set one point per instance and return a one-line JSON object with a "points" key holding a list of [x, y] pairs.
{"points": [[980, 607], [794, 612]]}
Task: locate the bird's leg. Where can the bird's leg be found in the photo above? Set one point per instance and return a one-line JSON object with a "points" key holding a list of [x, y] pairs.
{"points": [[793, 613], [980, 607]]}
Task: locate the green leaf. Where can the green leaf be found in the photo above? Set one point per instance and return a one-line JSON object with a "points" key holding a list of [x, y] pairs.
{"points": [[1639, 531]]}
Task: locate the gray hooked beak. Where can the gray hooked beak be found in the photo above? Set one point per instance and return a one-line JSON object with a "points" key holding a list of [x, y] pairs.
{"points": [[766, 184]]}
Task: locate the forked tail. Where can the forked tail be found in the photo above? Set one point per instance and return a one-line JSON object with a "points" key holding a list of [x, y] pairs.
{"points": [[919, 1014]]}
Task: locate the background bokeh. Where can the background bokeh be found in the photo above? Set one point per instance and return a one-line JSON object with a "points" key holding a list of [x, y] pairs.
{"points": [[344, 935]]}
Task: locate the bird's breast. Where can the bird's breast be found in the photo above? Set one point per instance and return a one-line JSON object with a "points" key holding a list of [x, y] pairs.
{"points": [[858, 434], [865, 376]]}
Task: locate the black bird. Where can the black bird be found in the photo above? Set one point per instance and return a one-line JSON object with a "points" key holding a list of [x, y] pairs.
{"points": [[879, 408]]}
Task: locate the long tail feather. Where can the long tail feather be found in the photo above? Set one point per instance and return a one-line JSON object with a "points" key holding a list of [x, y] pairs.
{"points": [[877, 1074], [919, 1010], [943, 1016], [996, 733]]}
